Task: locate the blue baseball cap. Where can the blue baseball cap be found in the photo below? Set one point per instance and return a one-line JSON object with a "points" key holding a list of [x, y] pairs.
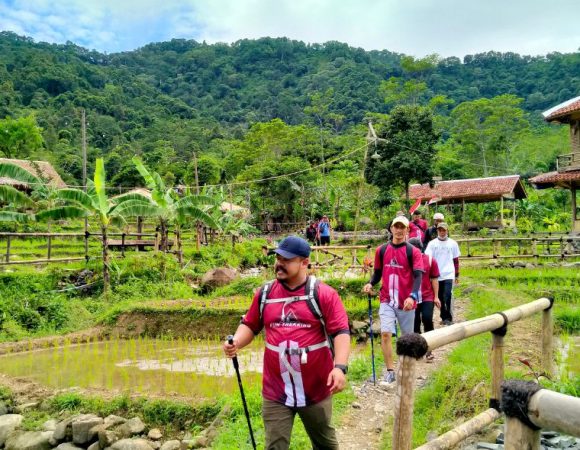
{"points": [[293, 246]]}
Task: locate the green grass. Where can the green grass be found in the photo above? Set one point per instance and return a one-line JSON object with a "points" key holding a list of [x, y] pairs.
{"points": [[460, 388], [163, 413]]}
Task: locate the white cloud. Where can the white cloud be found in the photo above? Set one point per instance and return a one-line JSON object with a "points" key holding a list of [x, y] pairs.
{"points": [[418, 27]]}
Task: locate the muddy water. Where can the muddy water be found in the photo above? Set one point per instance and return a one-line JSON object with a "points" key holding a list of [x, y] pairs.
{"points": [[138, 366]]}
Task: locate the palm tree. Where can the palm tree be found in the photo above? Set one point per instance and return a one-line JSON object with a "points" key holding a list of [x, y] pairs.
{"points": [[79, 204], [173, 209]]}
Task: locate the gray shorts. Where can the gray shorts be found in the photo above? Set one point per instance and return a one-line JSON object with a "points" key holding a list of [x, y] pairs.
{"points": [[390, 315]]}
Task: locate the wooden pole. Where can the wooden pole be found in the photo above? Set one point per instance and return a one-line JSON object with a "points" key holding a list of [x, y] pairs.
{"points": [[84, 152], [518, 436], [548, 341], [497, 366], [8, 248], [404, 399], [49, 247], [123, 245], [463, 431]]}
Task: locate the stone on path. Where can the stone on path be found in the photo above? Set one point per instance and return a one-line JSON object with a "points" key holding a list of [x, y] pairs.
{"points": [[8, 423], [171, 445], [29, 440], [82, 429], [132, 444]]}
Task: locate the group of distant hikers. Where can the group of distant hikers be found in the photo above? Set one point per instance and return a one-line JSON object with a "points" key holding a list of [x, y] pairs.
{"points": [[307, 329]]}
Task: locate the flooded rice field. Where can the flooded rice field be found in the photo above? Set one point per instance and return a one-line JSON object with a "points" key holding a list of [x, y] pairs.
{"points": [[195, 369]]}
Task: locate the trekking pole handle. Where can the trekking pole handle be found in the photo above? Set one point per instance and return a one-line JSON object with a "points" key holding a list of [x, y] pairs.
{"points": [[230, 339]]}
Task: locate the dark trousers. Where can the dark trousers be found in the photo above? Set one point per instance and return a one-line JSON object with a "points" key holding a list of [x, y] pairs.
{"points": [[424, 313], [445, 294], [279, 419]]}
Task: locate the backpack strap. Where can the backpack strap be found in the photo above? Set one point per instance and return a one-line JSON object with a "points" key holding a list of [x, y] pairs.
{"points": [[311, 291], [382, 252], [409, 251], [264, 296]]}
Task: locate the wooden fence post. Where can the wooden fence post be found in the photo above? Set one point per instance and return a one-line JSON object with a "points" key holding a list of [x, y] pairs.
{"points": [[49, 247], [410, 348], [122, 245], [8, 248], [87, 234], [547, 340], [535, 247], [562, 248], [497, 364], [520, 433]]}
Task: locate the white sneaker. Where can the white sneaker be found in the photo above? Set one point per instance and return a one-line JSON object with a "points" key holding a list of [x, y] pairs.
{"points": [[390, 376]]}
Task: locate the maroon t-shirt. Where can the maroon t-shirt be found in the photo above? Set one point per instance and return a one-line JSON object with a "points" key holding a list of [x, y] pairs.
{"points": [[397, 276], [294, 325], [417, 228], [431, 271]]}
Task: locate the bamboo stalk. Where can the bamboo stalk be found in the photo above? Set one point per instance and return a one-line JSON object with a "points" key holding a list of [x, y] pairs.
{"points": [[443, 336], [41, 261], [403, 426], [463, 431], [548, 342], [555, 411], [49, 247], [7, 249], [497, 367], [519, 436]]}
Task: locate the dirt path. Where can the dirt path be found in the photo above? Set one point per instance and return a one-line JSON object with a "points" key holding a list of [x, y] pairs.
{"points": [[362, 426]]}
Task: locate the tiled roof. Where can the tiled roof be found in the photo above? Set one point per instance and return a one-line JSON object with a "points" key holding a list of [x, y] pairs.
{"points": [[470, 190], [563, 109], [555, 178]]}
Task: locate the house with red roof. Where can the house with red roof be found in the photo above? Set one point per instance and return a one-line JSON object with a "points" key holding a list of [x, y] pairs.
{"points": [[567, 175], [473, 190]]}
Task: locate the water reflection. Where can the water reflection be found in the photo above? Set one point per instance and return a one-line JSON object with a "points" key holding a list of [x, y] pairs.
{"points": [[162, 367]]}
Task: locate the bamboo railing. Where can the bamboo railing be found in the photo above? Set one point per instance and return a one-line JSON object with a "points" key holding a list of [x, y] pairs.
{"points": [[529, 408], [412, 347]]}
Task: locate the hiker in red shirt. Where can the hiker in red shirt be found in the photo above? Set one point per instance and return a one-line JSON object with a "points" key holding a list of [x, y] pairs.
{"points": [[399, 267], [418, 226], [300, 373], [428, 296]]}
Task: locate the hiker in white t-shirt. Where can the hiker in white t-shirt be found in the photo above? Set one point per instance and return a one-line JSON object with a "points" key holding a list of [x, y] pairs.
{"points": [[446, 252]]}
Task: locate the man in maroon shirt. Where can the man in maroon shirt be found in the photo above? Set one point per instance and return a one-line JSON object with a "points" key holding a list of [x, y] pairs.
{"points": [[418, 226], [428, 296], [399, 267], [300, 373]]}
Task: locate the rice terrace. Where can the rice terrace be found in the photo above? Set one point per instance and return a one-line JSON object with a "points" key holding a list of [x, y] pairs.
{"points": [[276, 244]]}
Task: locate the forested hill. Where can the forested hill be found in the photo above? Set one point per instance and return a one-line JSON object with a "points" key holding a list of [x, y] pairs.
{"points": [[257, 80], [166, 99]]}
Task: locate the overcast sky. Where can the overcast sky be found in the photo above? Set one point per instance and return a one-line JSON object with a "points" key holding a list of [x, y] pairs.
{"points": [[414, 27]]}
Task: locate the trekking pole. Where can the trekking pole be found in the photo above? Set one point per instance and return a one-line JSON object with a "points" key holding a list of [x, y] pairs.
{"points": [[372, 343], [237, 367]]}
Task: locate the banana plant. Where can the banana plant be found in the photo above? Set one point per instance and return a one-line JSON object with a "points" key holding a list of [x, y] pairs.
{"points": [[173, 210], [11, 198], [75, 203]]}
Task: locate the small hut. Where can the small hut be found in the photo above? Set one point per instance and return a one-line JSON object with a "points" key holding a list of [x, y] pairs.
{"points": [[40, 169], [474, 190], [567, 174]]}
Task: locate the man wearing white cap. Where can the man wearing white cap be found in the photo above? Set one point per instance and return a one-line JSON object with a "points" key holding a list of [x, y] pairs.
{"points": [[399, 267], [431, 232]]}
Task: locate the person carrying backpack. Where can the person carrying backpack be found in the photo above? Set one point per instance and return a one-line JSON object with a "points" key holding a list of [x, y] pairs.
{"points": [[307, 346], [418, 226], [399, 267], [428, 296]]}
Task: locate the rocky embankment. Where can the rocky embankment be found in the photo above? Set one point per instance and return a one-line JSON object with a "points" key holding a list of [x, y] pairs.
{"points": [[91, 432]]}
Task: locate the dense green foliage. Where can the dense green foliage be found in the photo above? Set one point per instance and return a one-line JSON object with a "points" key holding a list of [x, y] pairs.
{"points": [[263, 109]]}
